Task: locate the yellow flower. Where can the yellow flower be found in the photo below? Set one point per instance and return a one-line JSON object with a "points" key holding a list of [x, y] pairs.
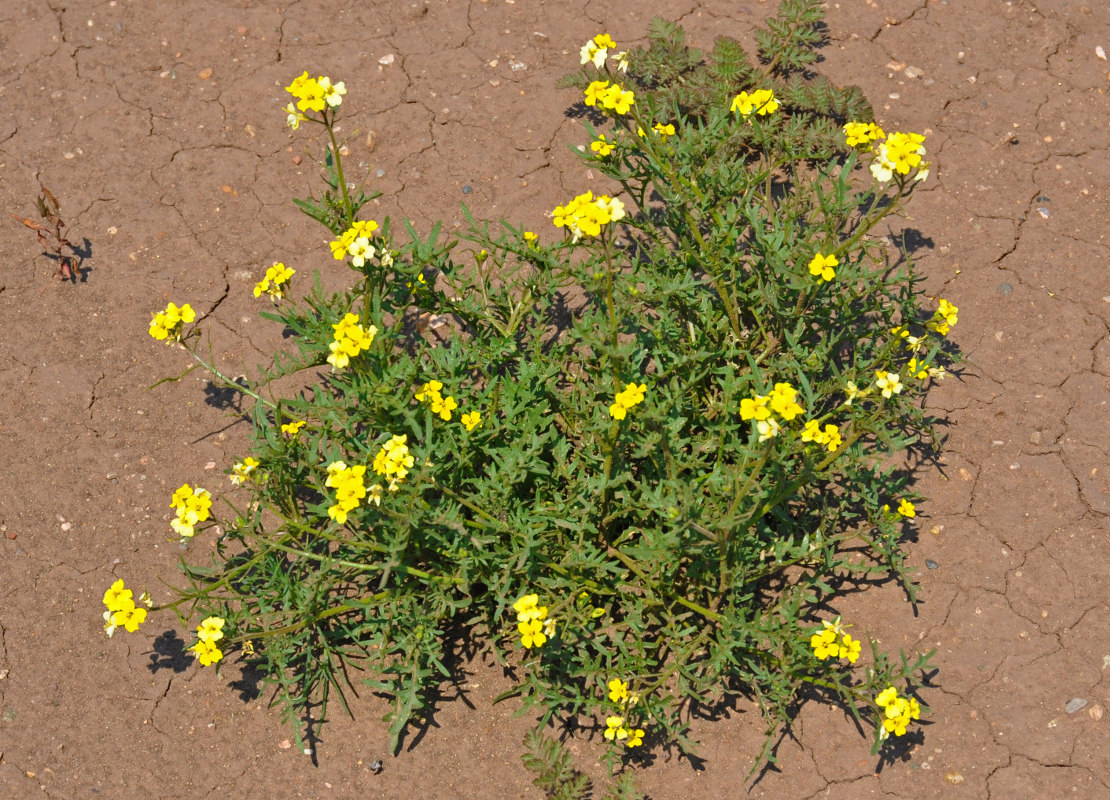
{"points": [[531, 239], [472, 420], [242, 471], [604, 40], [193, 506], [861, 134], [349, 489], [595, 91], [850, 649], [309, 93], [635, 737], [211, 630], [824, 644], [614, 729], [602, 146], [526, 603], [663, 130], [782, 401], [631, 396], [292, 429], [350, 340], [618, 690], [906, 508], [531, 634], [944, 318], [888, 382], [900, 153], [340, 245], [294, 118], [207, 652], [129, 617], [331, 92], [822, 266], [886, 697], [761, 101], [393, 460], [768, 429], [754, 408], [117, 596], [618, 100], [275, 282], [166, 325]]}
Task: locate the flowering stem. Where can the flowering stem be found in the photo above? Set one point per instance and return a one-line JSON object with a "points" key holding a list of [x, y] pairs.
{"points": [[231, 384], [348, 214]]}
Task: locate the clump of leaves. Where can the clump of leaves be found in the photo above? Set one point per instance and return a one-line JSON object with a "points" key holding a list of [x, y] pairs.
{"points": [[555, 774], [51, 236], [639, 463]]}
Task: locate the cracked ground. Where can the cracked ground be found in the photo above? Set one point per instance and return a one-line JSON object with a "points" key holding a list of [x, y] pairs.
{"points": [[160, 132]]}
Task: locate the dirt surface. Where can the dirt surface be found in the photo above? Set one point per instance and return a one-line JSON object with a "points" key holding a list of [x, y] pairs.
{"points": [[158, 127]]}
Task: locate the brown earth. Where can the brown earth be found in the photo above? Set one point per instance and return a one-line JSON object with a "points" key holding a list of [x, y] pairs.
{"points": [[158, 126]]}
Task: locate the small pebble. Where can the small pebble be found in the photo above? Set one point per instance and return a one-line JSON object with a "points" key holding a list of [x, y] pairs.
{"points": [[1075, 704], [1094, 712], [467, 189], [386, 60], [296, 159], [1005, 288], [1100, 53], [1044, 212], [913, 72], [931, 564], [1043, 199], [376, 766], [954, 778], [205, 74], [380, 173]]}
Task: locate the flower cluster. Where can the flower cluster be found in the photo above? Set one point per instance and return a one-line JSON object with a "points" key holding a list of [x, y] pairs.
{"points": [[242, 471], [122, 611], [829, 437], [822, 267], [210, 631], [586, 214], [355, 242], [349, 489], [530, 624], [900, 153], [166, 325], [313, 94], [830, 641], [897, 712], [944, 318], [597, 50], [760, 407], [610, 97], [275, 282], [350, 340], [861, 134], [192, 506], [631, 396], [393, 460], [615, 730], [761, 101], [430, 393]]}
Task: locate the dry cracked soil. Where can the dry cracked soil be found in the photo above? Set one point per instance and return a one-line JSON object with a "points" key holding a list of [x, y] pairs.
{"points": [[158, 127]]}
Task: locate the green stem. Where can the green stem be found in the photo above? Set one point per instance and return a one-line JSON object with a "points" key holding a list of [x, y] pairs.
{"points": [[349, 217]]}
